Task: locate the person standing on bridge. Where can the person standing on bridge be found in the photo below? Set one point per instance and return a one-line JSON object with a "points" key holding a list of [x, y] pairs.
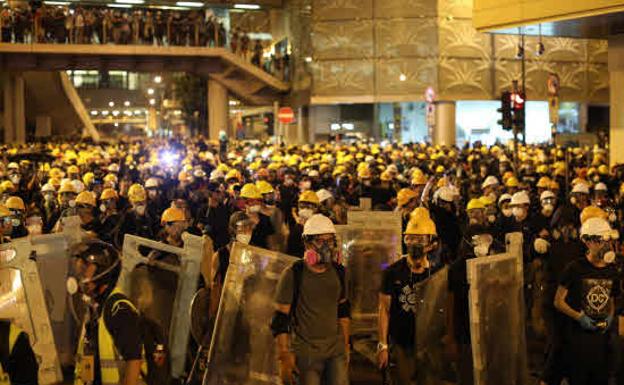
{"points": [[6, 24]]}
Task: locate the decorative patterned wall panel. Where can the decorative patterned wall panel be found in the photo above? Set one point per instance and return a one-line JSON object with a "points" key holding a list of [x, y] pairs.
{"points": [[465, 79], [258, 22], [404, 8], [598, 83], [420, 74], [343, 39], [459, 39], [342, 9], [597, 51], [560, 49], [455, 8], [407, 37], [573, 77], [348, 77]]}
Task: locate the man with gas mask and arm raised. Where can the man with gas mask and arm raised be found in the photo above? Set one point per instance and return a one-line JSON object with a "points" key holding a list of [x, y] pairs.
{"points": [[311, 321]]}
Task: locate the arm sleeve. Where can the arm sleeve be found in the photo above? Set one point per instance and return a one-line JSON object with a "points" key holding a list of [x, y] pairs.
{"points": [[285, 287], [125, 329], [567, 276], [23, 366], [386, 283]]}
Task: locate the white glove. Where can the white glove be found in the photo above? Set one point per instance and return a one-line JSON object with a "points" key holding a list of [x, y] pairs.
{"points": [[481, 250], [541, 245]]}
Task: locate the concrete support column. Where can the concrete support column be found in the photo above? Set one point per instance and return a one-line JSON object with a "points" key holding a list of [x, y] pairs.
{"points": [[218, 110], [616, 90], [19, 109], [43, 126], [445, 130], [8, 109], [583, 117]]}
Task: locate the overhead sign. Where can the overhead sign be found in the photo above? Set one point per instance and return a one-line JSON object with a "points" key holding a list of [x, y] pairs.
{"points": [[286, 115]]}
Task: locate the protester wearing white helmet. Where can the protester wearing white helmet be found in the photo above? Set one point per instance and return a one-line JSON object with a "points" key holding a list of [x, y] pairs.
{"points": [[519, 204], [490, 187], [586, 294], [320, 304], [503, 205], [579, 196], [601, 195]]}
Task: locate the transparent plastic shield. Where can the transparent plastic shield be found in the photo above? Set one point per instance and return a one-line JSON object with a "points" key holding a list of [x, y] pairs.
{"points": [[161, 280], [366, 252], [497, 317], [387, 220], [431, 326], [22, 301], [242, 349]]}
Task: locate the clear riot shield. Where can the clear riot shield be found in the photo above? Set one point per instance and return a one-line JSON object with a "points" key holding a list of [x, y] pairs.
{"points": [[242, 347], [161, 280], [377, 220], [365, 253], [497, 318], [23, 302]]}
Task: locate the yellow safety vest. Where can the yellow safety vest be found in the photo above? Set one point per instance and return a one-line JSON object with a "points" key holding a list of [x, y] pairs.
{"points": [[14, 332], [112, 364]]}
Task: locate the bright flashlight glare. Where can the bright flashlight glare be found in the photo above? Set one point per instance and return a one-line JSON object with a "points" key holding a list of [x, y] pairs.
{"points": [[168, 158]]}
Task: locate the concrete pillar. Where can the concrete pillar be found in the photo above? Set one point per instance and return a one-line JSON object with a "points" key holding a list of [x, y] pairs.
{"points": [[218, 110], [8, 114], [19, 109], [445, 130], [583, 117], [616, 90], [43, 126]]}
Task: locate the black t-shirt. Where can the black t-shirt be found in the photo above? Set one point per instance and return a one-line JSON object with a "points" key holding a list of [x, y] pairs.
{"points": [[403, 286], [590, 288], [20, 364], [458, 286], [261, 233]]}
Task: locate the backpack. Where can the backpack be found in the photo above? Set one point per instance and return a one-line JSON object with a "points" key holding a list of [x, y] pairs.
{"points": [[297, 269]]}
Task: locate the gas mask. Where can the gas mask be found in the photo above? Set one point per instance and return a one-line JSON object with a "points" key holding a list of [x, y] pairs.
{"points": [[15, 222], [518, 212], [416, 251], [243, 238], [76, 284], [15, 179], [547, 209], [269, 201], [71, 203], [103, 208], [305, 214], [573, 200], [254, 209], [140, 210], [491, 218], [319, 255], [606, 254]]}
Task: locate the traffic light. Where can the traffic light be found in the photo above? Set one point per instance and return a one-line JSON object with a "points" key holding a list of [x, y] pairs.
{"points": [[268, 122], [519, 100], [506, 120]]}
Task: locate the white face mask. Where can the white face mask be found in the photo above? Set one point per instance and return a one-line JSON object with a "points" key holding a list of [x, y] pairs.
{"points": [[306, 185], [612, 217], [573, 200], [243, 238], [72, 203], [48, 197], [254, 209], [507, 212], [305, 214], [548, 209], [140, 210], [491, 218], [15, 179], [518, 212], [103, 208]]}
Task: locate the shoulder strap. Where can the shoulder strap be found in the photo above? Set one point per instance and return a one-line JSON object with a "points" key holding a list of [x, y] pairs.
{"points": [[109, 304], [297, 269]]}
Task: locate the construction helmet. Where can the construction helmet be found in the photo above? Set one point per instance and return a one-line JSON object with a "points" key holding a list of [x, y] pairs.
{"points": [[543, 182], [386, 176], [264, 187], [88, 178], [405, 195], [48, 187], [233, 174], [309, 196], [104, 256], [593, 212], [420, 223], [512, 182], [250, 191], [486, 200], [108, 193], [73, 169], [418, 179], [4, 212], [520, 198], [318, 224], [598, 227], [86, 198], [15, 203], [7, 185], [172, 214], [151, 183], [136, 193], [67, 187], [475, 204], [491, 180], [110, 178]]}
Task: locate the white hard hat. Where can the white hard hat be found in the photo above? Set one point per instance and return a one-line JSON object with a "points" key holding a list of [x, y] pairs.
{"points": [[210, 156], [547, 194], [323, 195], [369, 158], [318, 224], [580, 188], [216, 174], [13, 165], [503, 198], [313, 173], [151, 183], [78, 186], [598, 227], [489, 181], [445, 193], [48, 188], [113, 168], [600, 187], [392, 168], [520, 198]]}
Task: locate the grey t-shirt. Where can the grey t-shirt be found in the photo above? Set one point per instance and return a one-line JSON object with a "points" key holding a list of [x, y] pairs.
{"points": [[316, 332]]}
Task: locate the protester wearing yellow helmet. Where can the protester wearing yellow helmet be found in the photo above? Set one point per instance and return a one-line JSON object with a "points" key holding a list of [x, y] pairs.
{"points": [[263, 229], [110, 216]]}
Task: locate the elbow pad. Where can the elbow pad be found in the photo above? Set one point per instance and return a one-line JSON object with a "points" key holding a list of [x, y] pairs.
{"points": [[344, 309], [280, 323]]}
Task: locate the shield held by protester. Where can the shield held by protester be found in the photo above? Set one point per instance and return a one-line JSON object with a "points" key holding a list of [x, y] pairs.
{"points": [[242, 350], [497, 317], [161, 279]]}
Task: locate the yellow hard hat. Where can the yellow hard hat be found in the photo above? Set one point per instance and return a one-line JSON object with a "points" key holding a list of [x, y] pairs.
{"points": [[136, 193], [309, 197], [15, 203], [4, 211], [405, 195], [264, 187], [108, 193], [364, 173], [250, 191], [67, 187], [223, 167], [110, 178], [593, 212], [86, 198], [553, 185], [543, 182], [603, 169], [88, 178], [475, 204], [233, 174], [420, 224], [183, 176], [440, 169], [486, 200], [385, 176], [512, 182], [7, 185], [73, 169], [419, 179], [55, 173], [172, 214], [542, 169]]}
